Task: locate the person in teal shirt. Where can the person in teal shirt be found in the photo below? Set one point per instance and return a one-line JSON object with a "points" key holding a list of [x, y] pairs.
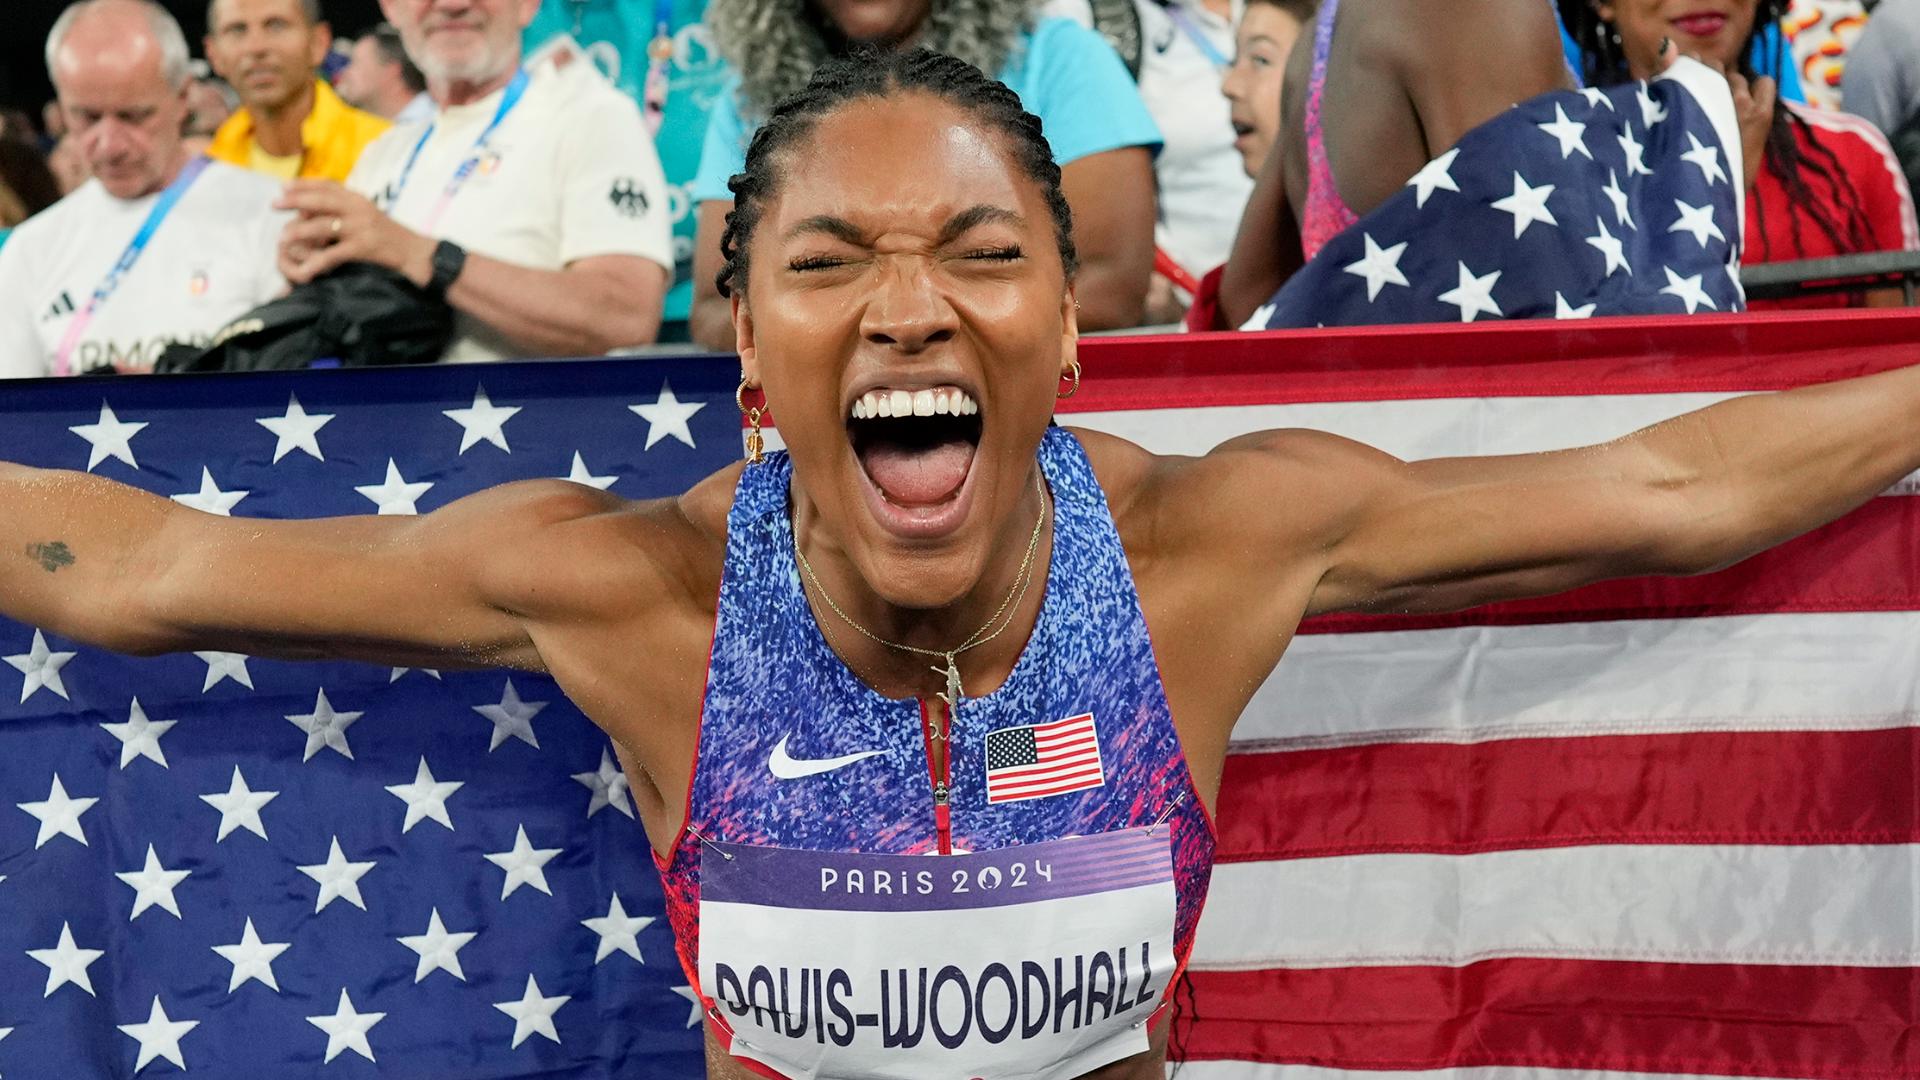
{"points": [[619, 36], [1064, 73]]}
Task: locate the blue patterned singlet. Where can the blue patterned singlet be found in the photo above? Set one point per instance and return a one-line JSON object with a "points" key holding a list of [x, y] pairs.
{"points": [[772, 676]]}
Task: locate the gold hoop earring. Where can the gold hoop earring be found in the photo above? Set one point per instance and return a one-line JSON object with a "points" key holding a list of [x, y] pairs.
{"points": [[756, 443], [1074, 387]]}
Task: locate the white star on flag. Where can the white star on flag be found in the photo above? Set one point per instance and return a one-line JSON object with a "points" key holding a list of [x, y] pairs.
{"points": [[159, 1036], [524, 864], [1688, 290], [512, 717], [210, 499], [153, 886], [1707, 158], [399, 671], [668, 415], [439, 950], [1258, 320], [296, 430], [1619, 200], [1527, 204], [619, 932], [225, 665], [240, 807], [1697, 221], [140, 737], [1636, 154], [580, 474], [608, 784], [395, 495], [1651, 111], [533, 1014], [1564, 310], [108, 437], [425, 797], [325, 728], [347, 1029], [252, 959], [694, 1007], [41, 666], [1474, 295], [1570, 134], [338, 878], [1610, 246], [1381, 267], [1597, 97], [67, 963], [482, 420], [1434, 176], [58, 814]]}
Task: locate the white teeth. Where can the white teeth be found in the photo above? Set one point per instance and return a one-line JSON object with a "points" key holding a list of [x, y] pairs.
{"points": [[944, 401], [940, 403], [902, 402], [923, 403], [885, 404]]}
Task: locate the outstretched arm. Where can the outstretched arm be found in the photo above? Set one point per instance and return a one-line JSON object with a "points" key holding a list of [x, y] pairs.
{"points": [[468, 585]]}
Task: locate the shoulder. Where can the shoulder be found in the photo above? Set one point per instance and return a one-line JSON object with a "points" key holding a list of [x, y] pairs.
{"points": [[233, 182], [57, 223], [1056, 39], [1844, 134]]}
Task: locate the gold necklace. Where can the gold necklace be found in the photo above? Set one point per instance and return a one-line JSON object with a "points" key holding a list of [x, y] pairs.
{"points": [[1008, 607]]}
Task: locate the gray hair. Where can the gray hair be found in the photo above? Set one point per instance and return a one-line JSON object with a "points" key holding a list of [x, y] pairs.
{"points": [[166, 32], [309, 8], [774, 45]]}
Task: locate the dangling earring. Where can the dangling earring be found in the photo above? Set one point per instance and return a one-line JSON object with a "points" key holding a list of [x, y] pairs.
{"points": [[1074, 387], [756, 443]]}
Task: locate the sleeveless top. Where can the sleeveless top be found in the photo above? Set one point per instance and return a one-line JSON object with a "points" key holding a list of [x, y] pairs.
{"points": [[777, 693], [1326, 214]]}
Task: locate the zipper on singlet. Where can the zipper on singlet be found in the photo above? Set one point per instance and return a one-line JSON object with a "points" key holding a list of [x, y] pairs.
{"points": [[942, 812]]}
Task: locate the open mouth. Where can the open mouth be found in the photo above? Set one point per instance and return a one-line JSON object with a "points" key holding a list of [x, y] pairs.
{"points": [[916, 448], [1242, 130]]}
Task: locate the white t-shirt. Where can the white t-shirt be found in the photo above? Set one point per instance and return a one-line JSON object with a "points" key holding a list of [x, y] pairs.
{"points": [[1203, 183], [211, 260], [571, 174]]}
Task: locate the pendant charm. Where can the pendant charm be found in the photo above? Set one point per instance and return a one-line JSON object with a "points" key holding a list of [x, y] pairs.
{"points": [[953, 693]]}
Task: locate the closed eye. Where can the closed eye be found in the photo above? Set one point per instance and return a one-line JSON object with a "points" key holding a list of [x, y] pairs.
{"points": [[1006, 253], [816, 262]]}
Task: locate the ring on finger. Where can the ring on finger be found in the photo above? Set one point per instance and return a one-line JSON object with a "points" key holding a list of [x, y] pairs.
{"points": [[334, 229]]}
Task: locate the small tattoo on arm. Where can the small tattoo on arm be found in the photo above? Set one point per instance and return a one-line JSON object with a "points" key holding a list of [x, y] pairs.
{"points": [[51, 555]]}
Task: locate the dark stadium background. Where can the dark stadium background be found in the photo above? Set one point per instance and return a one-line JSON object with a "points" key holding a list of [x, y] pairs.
{"points": [[23, 36]]}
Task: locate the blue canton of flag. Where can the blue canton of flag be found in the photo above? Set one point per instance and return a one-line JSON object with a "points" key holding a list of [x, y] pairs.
{"points": [[1623, 201], [253, 868]]}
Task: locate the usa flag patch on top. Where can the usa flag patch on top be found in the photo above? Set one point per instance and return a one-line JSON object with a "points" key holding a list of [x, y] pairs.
{"points": [[1038, 760]]}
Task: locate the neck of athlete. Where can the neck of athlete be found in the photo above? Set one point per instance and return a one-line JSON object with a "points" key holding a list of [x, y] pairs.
{"points": [[278, 130], [448, 92]]}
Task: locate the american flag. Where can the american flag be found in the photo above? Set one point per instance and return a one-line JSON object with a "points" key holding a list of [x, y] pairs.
{"points": [[1623, 201], [249, 868], [1038, 760], [1651, 828]]}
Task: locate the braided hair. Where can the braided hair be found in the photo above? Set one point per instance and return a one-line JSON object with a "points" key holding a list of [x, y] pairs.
{"points": [[871, 73], [1604, 63]]}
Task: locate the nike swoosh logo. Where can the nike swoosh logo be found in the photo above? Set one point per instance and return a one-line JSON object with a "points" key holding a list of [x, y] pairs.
{"points": [[785, 767]]}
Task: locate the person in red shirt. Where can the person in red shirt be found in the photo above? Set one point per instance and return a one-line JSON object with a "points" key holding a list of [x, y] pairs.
{"points": [[1819, 183]]}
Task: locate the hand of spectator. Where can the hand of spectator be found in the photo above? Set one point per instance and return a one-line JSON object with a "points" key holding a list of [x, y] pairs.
{"points": [[1753, 105], [335, 226]]}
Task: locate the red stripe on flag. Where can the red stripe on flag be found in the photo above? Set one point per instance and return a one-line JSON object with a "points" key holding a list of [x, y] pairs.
{"points": [[1866, 561], [1833, 1023], [1032, 783], [1800, 787]]}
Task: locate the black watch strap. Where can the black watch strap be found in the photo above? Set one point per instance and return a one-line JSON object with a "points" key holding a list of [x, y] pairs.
{"points": [[449, 259]]}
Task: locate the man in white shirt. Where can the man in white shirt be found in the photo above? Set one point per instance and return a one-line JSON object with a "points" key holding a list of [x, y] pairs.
{"points": [[161, 246], [533, 201], [382, 79]]}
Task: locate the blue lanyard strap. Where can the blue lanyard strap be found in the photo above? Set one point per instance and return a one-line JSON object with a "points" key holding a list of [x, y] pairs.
{"points": [[108, 285], [1194, 34], [511, 97]]}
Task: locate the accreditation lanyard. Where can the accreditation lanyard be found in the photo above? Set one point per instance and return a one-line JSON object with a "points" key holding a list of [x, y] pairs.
{"points": [[659, 67], [1194, 34], [508, 100], [62, 358]]}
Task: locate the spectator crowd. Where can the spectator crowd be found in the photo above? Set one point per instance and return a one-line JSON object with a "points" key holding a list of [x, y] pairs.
{"points": [[478, 180]]}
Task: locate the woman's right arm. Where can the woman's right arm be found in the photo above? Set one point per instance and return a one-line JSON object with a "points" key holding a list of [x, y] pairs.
{"points": [[464, 586]]}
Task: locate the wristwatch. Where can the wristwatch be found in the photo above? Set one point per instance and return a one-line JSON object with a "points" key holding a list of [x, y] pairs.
{"points": [[449, 259]]}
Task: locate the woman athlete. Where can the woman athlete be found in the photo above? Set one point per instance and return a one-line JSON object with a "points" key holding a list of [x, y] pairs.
{"points": [[922, 630]]}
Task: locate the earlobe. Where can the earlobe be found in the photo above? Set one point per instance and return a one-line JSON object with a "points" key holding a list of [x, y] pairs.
{"points": [[743, 341]]}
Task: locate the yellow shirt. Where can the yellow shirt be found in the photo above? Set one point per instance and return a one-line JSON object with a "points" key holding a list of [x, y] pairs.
{"points": [[331, 137]]}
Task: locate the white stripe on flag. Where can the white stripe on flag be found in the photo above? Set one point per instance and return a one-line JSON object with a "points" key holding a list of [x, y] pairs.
{"points": [[1737, 904], [1801, 672]]}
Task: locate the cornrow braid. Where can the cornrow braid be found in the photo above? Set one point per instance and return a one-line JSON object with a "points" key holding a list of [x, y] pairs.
{"points": [[871, 73]]}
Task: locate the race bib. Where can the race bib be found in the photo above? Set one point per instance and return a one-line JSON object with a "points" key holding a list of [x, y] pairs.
{"points": [[1036, 961]]}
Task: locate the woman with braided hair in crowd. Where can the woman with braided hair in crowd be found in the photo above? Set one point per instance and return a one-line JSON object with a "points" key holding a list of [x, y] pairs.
{"points": [[1101, 133], [1819, 183], [824, 665]]}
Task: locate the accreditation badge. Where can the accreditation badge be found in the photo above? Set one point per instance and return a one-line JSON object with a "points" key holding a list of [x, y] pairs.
{"points": [[1035, 961]]}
